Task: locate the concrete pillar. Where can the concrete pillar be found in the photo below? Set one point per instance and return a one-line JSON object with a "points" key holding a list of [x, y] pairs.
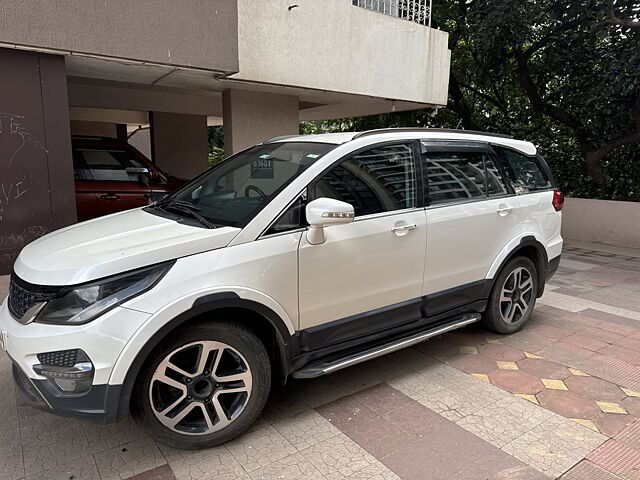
{"points": [[250, 118], [121, 132], [141, 139], [179, 143], [37, 192]]}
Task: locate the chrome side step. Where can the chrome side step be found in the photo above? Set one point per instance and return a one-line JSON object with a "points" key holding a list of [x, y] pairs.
{"points": [[325, 368]]}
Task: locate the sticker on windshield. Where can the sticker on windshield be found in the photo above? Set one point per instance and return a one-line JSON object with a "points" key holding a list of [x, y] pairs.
{"points": [[313, 155], [262, 167]]}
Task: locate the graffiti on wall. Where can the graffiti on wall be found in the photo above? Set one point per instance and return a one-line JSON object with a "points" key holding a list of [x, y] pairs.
{"points": [[18, 147], [14, 180]]}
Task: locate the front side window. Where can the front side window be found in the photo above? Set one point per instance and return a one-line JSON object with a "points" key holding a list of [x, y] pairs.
{"points": [[462, 176], [381, 179], [234, 191], [524, 171], [111, 165], [292, 218]]}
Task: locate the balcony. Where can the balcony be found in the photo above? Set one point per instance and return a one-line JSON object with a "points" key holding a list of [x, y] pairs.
{"points": [[418, 11]]}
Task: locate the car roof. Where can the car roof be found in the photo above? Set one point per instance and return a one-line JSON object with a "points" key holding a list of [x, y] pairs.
{"points": [[418, 133]]}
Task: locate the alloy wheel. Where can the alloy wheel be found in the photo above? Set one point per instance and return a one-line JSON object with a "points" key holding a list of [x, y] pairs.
{"points": [[200, 388], [516, 295]]}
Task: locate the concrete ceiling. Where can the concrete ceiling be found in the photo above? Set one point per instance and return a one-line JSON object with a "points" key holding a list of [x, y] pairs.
{"points": [[124, 85]]}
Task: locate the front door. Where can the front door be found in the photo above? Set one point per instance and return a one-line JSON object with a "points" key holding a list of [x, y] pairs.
{"points": [[116, 177], [368, 275]]}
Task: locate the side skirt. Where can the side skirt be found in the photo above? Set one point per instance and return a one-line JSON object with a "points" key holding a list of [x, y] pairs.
{"points": [[348, 359]]}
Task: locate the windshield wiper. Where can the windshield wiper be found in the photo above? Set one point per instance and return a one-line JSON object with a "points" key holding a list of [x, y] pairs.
{"points": [[182, 203], [189, 209]]}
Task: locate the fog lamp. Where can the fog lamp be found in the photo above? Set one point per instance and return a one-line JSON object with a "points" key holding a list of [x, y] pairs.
{"points": [[76, 378]]}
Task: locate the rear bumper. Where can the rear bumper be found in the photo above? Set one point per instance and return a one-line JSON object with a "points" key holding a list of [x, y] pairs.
{"points": [[98, 405], [552, 268]]}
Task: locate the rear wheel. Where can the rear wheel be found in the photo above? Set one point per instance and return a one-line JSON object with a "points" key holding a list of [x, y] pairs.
{"points": [[513, 297], [205, 386]]}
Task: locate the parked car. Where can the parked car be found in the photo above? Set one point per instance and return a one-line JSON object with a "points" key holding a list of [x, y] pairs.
{"points": [[111, 176], [294, 258]]}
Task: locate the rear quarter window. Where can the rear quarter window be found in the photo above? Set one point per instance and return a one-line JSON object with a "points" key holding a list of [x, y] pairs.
{"points": [[524, 171]]}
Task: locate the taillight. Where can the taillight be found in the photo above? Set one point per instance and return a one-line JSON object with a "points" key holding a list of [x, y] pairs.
{"points": [[558, 200]]}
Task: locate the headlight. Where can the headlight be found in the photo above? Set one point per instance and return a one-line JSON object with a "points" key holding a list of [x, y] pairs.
{"points": [[81, 304]]}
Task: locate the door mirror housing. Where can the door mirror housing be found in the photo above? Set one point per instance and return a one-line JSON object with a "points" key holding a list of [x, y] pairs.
{"points": [[135, 170], [323, 212], [144, 180]]}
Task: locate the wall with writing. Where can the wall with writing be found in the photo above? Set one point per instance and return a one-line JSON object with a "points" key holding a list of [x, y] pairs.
{"points": [[36, 171]]}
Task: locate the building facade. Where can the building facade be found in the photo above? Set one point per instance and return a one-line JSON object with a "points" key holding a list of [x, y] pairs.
{"points": [[258, 68]]}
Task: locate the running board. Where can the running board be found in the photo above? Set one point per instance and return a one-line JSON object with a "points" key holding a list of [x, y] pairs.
{"points": [[327, 367]]}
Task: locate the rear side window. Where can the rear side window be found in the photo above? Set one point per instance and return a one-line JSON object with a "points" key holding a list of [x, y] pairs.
{"points": [[462, 176], [381, 179], [524, 171], [113, 165]]}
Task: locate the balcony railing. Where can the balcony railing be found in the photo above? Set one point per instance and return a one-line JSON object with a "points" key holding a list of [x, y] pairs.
{"points": [[418, 11]]}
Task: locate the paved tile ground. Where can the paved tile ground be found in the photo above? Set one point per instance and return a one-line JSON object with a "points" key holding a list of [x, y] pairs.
{"points": [[560, 399]]}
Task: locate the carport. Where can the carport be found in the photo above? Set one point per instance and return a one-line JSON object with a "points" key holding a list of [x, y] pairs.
{"points": [[90, 68]]}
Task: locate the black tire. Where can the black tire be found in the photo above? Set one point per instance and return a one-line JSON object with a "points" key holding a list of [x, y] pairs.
{"points": [[242, 341], [497, 312]]}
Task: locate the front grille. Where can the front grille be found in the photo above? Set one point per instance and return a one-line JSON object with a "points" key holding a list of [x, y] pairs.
{"points": [[23, 295], [62, 358]]}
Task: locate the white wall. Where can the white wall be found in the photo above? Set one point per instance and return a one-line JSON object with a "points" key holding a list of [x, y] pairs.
{"points": [[333, 45], [602, 221]]}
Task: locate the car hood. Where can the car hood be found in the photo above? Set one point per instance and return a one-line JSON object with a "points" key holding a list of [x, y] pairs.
{"points": [[113, 244]]}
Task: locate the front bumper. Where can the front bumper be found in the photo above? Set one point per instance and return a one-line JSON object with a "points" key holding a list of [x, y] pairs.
{"points": [[103, 340], [98, 405]]}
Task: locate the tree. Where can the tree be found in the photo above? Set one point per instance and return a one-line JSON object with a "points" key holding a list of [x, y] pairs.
{"points": [[562, 73], [573, 65]]}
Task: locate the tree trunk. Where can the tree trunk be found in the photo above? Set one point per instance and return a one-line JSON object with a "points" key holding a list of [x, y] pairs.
{"points": [[593, 164]]}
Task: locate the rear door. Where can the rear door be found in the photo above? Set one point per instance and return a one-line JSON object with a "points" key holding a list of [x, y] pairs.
{"points": [[469, 220], [115, 178]]}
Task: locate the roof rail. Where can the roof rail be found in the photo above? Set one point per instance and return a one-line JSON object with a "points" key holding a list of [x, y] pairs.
{"points": [[425, 129]]}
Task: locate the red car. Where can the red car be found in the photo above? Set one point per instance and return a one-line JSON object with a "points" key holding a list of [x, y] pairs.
{"points": [[111, 176]]}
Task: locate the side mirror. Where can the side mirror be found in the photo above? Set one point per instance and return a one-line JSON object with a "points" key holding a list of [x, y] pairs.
{"points": [[144, 179], [143, 175], [135, 170], [323, 212]]}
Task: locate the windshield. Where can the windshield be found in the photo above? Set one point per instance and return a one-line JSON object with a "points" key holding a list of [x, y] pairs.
{"points": [[232, 193]]}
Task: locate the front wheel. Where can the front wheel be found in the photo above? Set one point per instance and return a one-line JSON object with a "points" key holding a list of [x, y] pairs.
{"points": [[513, 296], [205, 386]]}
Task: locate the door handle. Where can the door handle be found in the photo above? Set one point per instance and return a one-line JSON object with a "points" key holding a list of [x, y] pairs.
{"points": [[503, 210], [403, 229], [110, 196]]}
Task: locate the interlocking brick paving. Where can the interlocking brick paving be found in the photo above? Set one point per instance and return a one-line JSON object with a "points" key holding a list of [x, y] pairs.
{"points": [[160, 473], [469, 405], [428, 447], [586, 470]]}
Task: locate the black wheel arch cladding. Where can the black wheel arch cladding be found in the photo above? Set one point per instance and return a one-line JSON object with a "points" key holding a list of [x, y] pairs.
{"points": [[203, 305]]}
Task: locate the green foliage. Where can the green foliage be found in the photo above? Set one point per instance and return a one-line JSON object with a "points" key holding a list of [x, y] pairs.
{"points": [[216, 155], [216, 145], [560, 73]]}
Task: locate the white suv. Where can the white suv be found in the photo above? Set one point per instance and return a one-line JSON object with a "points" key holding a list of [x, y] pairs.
{"points": [[297, 257]]}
